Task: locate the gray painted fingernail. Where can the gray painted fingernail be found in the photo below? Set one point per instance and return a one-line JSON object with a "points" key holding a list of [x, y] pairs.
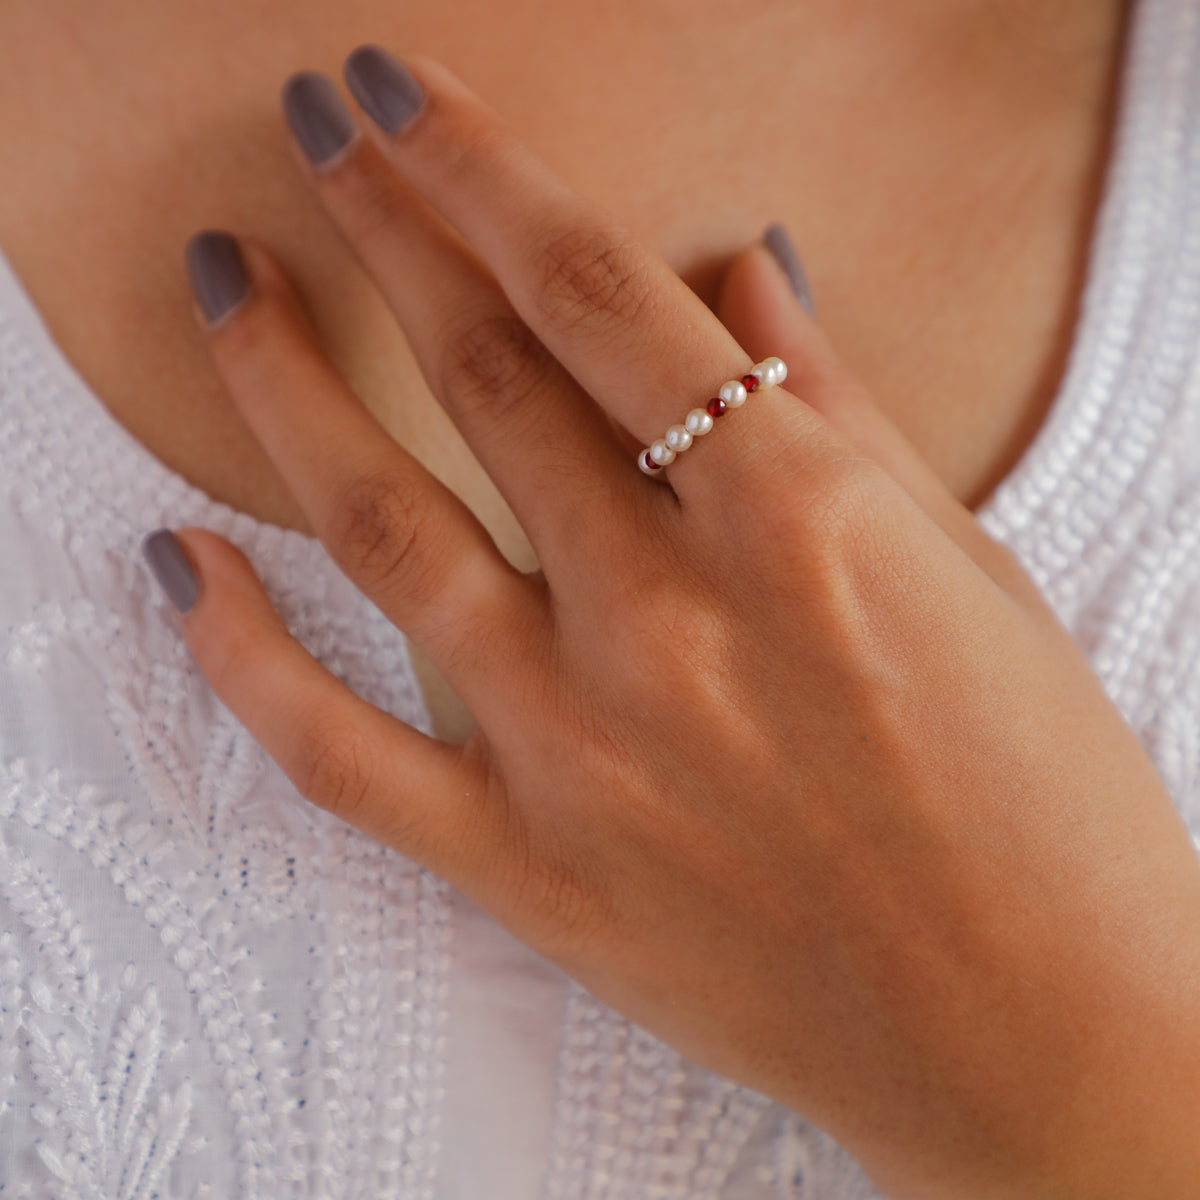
{"points": [[776, 240], [382, 84], [216, 272], [171, 568], [317, 116]]}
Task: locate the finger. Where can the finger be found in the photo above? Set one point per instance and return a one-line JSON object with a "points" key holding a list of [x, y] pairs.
{"points": [[550, 450], [613, 312], [431, 801], [759, 308], [400, 535]]}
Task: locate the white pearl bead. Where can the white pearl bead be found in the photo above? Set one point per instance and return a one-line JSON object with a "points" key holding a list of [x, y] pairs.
{"points": [[778, 366], [678, 438], [769, 371], [698, 422], [662, 453], [733, 393]]}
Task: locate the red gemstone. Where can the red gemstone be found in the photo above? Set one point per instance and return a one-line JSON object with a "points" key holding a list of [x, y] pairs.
{"points": [[650, 462], [715, 407], [751, 382]]}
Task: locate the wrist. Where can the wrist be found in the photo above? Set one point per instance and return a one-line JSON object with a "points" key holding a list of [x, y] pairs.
{"points": [[1129, 1128], [1106, 1108]]}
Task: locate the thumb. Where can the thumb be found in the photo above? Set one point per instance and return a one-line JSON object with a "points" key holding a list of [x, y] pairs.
{"points": [[766, 303]]}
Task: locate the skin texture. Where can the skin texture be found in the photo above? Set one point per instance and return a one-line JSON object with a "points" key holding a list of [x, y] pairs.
{"points": [[922, 884], [937, 162]]}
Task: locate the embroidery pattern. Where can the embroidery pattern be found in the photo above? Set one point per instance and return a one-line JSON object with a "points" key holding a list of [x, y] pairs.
{"points": [[634, 1118]]}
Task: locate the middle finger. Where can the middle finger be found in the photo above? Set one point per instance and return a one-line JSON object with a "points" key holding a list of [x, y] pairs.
{"points": [[633, 334], [545, 443]]}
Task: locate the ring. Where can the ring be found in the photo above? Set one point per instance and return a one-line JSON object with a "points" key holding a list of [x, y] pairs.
{"points": [[699, 421]]}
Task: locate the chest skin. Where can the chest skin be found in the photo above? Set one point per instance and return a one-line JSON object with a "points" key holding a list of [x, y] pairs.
{"points": [[938, 165]]}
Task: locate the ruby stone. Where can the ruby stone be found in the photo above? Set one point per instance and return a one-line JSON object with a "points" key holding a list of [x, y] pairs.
{"points": [[650, 462], [751, 382], [715, 407]]}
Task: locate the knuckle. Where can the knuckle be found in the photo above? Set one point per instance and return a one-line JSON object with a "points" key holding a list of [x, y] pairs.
{"points": [[661, 616], [670, 637], [377, 208], [846, 494], [383, 530], [492, 363], [477, 147], [687, 649], [335, 768], [825, 508], [243, 347], [594, 277], [825, 532], [566, 910], [839, 555], [229, 654]]}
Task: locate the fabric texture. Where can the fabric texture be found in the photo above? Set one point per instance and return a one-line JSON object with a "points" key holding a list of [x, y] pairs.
{"points": [[210, 988]]}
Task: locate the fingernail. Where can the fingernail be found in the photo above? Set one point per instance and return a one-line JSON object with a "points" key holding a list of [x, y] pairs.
{"points": [[317, 116], [776, 240], [171, 568], [216, 273], [382, 84]]}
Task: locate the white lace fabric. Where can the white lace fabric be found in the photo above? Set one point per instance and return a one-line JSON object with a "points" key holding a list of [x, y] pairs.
{"points": [[210, 988]]}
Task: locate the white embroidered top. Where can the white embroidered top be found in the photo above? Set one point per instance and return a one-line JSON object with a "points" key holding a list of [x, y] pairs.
{"points": [[210, 988]]}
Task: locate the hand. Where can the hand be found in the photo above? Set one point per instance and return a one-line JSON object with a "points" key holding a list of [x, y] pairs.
{"points": [[783, 758]]}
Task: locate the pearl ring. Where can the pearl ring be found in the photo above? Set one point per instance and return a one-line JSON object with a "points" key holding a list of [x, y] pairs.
{"points": [[699, 421]]}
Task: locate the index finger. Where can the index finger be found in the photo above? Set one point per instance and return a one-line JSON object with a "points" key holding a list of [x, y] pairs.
{"points": [[633, 334]]}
